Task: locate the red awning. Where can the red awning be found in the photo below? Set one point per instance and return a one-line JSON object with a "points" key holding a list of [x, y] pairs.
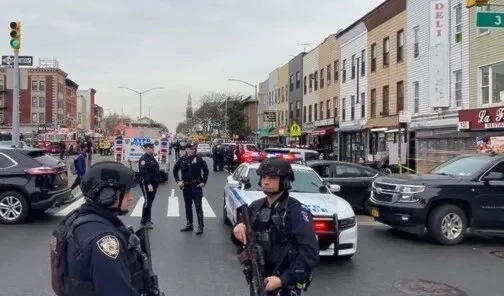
{"points": [[322, 131]]}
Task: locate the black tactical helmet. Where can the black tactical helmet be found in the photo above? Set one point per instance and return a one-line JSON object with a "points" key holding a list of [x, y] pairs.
{"points": [[103, 179], [148, 145], [191, 145], [277, 167]]}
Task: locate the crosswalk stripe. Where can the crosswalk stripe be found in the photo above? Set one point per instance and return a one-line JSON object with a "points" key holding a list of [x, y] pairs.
{"points": [[137, 211], [70, 207], [207, 209], [173, 205]]}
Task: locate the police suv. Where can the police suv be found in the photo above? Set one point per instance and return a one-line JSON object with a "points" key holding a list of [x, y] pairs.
{"points": [[333, 218]]}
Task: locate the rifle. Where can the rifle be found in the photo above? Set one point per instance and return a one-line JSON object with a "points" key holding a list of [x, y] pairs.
{"points": [[251, 257], [150, 280]]}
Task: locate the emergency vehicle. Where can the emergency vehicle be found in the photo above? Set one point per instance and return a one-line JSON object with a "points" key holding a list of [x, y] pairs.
{"points": [[49, 141]]}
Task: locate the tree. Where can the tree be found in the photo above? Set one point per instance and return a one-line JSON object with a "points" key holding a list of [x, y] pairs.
{"points": [[111, 121], [181, 127]]}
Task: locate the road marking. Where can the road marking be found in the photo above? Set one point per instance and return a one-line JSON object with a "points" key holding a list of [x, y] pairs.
{"points": [[207, 209], [77, 203], [173, 205], [137, 211]]}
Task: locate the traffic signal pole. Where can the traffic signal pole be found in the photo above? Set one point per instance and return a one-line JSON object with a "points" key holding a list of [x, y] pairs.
{"points": [[15, 102]]}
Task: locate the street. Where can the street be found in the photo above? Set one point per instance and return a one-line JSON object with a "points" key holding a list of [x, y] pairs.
{"points": [[206, 265]]}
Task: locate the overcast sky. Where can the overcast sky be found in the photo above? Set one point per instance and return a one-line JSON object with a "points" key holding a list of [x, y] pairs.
{"points": [[184, 46]]}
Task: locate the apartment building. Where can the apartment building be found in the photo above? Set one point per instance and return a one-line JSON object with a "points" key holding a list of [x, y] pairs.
{"points": [[262, 95], [353, 82], [328, 65], [310, 93], [438, 59], [283, 104], [386, 80], [296, 88], [70, 109], [85, 112], [272, 106]]}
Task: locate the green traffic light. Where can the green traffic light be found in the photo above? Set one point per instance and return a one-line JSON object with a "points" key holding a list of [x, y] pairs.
{"points": [[14, 43]]}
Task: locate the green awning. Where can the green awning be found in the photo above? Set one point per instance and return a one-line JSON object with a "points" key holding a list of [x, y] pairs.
{"points": [[264, 132]]}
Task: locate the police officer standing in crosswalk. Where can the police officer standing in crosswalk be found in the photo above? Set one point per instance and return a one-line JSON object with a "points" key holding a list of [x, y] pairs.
{"points": [[149, 173], [194, 177]]}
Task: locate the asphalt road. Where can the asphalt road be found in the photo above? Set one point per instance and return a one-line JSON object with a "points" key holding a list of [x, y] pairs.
{"points": [[206, 265]]}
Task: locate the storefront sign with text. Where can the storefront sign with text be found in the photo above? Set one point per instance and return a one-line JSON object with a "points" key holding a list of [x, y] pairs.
{"points": [[480, 119]]}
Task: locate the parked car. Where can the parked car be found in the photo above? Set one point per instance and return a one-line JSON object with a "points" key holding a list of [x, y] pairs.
{"points": [[203, 149], [354, 179], [466, 192], [292, 154], [31, 181]]}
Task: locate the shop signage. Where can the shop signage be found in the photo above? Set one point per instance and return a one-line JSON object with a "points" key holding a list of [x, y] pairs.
{"points": [[269, 116], [324, 122], [479, 119]]}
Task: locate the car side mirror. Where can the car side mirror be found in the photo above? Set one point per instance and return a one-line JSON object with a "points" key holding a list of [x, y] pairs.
{"points": [[334, 188], [494, 176], [245, 181]]}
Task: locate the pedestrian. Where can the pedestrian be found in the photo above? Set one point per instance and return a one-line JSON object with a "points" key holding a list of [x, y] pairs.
{"points": [[90, 253], [149, 173], [78, 169], [194, 177], [284, 229], [62, 149], [89, 147], [177, 147]]}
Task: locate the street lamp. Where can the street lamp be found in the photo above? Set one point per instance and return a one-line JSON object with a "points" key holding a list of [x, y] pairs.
{"points": [[140, 93], [255, 98]]}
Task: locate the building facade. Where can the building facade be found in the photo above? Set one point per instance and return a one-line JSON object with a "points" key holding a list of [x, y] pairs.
{"points": [[353, 139], [386, 81], [70, 103], [310, 93], [85, 112], [98, 118], [283, 104], [272, 106], [296, 89]]}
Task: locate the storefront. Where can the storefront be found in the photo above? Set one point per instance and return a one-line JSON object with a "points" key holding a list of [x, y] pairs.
{"points": [[483, 128], [322, 135], [352, 142], [306, 139], [383, 133]]}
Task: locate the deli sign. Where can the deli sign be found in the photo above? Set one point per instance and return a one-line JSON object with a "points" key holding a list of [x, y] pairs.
{"points": [[481, 119]]}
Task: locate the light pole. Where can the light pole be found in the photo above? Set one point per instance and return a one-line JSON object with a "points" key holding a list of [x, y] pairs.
{"points": [[255, 98], [140, 93]]}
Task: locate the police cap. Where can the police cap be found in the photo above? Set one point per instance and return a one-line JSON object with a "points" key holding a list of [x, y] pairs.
{"points": [[276, 167], [148, 145], [191, 145]]}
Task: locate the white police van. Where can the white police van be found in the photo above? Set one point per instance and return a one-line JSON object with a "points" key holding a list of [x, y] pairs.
{"points": [[334, 219]]}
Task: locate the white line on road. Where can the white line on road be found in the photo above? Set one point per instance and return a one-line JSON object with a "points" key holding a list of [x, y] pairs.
{"points": [[207, 210], [173, 205], [71, 207], [137, 211]]}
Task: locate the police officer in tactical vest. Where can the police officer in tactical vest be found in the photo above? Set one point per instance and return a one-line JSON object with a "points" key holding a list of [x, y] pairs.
{"points": [[149, 173], [194, 177], [96, 259], [284, 229]]}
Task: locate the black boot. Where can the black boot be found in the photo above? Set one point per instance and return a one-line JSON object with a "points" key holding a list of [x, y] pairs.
{"points": [[200, 222], [188, 227]]}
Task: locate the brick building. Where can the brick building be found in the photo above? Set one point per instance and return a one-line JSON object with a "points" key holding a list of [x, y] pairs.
{"points": [[70, 103]]}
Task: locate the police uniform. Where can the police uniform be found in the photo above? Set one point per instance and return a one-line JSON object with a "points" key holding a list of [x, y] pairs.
{"points": [[194, 172], [149, 173], [285, 232], [98, 259]]}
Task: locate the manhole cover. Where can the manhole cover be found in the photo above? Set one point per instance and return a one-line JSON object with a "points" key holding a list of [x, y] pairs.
{"points": [[427, 288], [499, 254]]}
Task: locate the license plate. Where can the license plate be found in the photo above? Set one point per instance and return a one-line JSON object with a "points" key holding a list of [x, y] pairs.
{"points": [[375, 213], [63, 176]]}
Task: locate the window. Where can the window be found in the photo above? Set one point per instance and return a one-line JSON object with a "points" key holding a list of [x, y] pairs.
{"points": [[34, 102], [373, 103], [416, 40], [400, 46], [385, 110], [336, 70], [310, 83], [41, 117], [291, 83], [41, 85], [321, 110], [298, 108], [457, 80], [416, 98], [315, 82], [1, 85], [458, 23], [352, 107], [329, 71], [328, 109], [353, 67], [291, 110], [304, 114], [286, 119], [322, 78], [310, 113], [41, 102], [492, 83], [34, 85], [304, 85], [386, 52], [343, 71], [343, 109], [283, 94], [315, 112], [34, 117], [363, 104], [400, 96], [363, 62], [335, 106], [298, 80], [482, 31], [373, 57]]}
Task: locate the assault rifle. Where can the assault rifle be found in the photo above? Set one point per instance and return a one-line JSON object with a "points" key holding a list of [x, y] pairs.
{"points": [[251, 257]]}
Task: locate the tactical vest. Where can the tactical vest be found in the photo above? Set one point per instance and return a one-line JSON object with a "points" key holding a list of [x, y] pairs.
{"points": [[63, 236]]}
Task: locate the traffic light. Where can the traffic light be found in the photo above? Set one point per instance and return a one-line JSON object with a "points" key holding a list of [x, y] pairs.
{"points": [[472, 3], [15, 35]]}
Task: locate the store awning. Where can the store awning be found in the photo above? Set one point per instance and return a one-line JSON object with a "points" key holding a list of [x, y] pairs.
{"points": [[264, 132], [273, 133], [322, 131]]}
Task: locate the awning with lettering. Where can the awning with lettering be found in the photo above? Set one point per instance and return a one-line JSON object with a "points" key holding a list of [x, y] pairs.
{"points": [[322, 131]]}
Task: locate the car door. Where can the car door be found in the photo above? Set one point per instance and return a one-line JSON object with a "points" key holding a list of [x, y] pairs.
{"points": [[232, 182], [489, 202], [353, 182]]}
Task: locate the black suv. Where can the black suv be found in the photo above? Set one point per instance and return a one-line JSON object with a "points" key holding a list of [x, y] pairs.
{"points": [[30, 181], [464, 192]]}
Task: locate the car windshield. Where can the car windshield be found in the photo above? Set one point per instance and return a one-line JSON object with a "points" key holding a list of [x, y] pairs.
{"points": [[463, 166], [306, 181], [252, 148]]}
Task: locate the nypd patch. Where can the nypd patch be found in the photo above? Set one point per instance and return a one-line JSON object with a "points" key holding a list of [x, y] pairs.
{"points": [[109, 245], [142, 162], [305, 216]]}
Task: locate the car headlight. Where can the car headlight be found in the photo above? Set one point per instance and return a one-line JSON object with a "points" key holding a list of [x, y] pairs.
{"points": [[347, 223], [409, 189]]}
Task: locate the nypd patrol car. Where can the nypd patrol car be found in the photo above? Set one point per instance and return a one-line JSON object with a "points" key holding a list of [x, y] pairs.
{"points": [[333, 218]]}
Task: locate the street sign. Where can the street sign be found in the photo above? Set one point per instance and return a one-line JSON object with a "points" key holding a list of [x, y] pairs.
{"points": [[23, 60], [490, 19]]}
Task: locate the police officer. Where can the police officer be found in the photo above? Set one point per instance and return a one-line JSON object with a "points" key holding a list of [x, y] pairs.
{"points": [[194, 177], [283, 227], [149, 173], [218, 157], [98, 259]]}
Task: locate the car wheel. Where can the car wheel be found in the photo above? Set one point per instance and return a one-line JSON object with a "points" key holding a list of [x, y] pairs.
{"points": [[13, 207], [224, 213], [447, 224]]}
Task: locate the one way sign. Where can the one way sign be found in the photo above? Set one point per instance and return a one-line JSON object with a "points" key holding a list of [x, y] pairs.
{"points": [[23, 60]]}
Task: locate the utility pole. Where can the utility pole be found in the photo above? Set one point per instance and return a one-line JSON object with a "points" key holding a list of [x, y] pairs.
{"points": [[15, 44], [140, 93], [226, 117]]}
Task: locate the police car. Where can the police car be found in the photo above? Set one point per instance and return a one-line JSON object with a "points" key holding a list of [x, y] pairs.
{"points": [[333, 218]]}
